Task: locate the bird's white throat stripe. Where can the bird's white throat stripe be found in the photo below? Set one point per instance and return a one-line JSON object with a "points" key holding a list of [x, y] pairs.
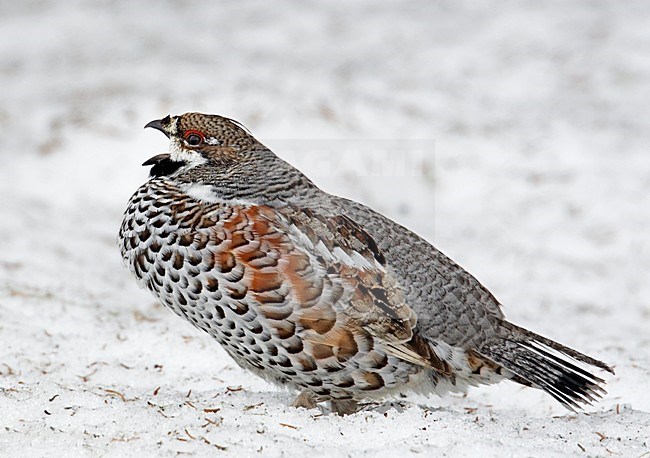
{"points": [[208, 194], [178, 153]]}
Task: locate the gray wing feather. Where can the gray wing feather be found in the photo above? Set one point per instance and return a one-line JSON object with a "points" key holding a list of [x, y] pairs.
{"points": [[451, 305]]}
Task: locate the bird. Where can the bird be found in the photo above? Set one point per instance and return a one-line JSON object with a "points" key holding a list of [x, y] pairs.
{"points": [[318, 293]]}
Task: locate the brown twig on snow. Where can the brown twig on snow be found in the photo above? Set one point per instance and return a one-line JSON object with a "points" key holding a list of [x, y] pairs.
{"points": [[220, 447], [211, 422], [86, 377], [10, 370], [115, 393], [289, 426]]}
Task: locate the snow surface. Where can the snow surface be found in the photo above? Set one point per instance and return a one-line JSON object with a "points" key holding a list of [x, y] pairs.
{"points": [[513, 135]]}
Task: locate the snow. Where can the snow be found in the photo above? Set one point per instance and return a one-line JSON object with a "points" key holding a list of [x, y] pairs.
{"points": [[513, 135]]}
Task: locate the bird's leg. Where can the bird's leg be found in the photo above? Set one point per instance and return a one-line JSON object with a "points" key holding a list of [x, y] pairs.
{"points": [[305, 400], [344, 406]]}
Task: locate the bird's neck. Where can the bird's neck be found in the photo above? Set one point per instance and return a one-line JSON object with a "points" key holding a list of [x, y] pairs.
{"points": [[266, 181]]}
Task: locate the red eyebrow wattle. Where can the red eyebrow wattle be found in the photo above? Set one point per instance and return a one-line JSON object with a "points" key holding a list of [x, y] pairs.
{"points": [[195, 132]]}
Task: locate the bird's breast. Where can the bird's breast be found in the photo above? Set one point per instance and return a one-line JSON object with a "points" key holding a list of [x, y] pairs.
{"points": [[232, 270]]}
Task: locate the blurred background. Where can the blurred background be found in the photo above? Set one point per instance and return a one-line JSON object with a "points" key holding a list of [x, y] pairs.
{"points": [[513, 135]]}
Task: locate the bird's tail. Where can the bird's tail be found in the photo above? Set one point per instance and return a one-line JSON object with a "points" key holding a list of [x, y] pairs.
{"points": [[542, 363]]}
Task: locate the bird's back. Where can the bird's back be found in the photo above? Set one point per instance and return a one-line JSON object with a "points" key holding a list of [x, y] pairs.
{"points": [[450, 303]]}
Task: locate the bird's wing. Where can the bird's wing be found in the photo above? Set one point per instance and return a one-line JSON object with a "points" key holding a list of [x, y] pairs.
{"points": [[452, 305], [339, 280]]}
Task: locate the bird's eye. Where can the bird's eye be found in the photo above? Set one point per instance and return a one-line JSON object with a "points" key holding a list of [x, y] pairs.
{"points": [[193, 138]]}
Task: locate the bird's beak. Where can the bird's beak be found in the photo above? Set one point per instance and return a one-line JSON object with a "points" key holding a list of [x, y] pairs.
{"points": [[156, 159], [157, 124]]}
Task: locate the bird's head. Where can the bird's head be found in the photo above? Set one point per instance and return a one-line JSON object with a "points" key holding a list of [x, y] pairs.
{"points": [[197, 138]]}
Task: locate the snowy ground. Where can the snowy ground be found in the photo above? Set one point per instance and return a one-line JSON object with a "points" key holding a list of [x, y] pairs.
{"points": [[514, 135]]}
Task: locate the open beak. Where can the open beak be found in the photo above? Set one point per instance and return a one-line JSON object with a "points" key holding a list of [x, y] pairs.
{"points": [[157, 159], [157, 124]]}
